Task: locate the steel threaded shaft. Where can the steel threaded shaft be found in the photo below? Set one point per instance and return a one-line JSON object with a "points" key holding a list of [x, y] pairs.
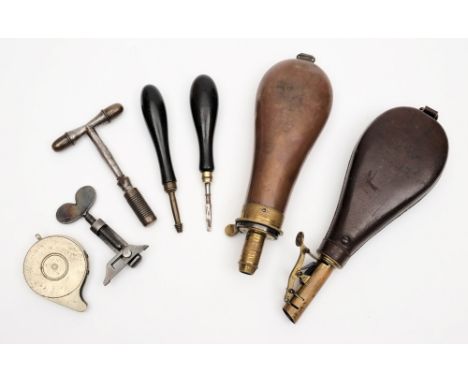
{"points": [[139, 206], [175, 212], [170, 188]]}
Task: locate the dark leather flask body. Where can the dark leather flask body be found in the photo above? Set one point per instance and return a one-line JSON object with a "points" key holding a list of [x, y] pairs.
{"points": [[396, 162]]}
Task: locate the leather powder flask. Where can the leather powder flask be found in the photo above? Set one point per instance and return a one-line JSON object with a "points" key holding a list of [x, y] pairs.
{"points": [[396, 162], [294, 100]]}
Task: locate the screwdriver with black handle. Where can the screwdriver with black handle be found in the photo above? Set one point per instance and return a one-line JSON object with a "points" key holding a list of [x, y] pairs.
{"points": [[204, 105], [154, 112]]}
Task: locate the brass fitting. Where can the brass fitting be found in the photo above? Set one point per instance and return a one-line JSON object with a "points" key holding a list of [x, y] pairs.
{"points": [[258, 213], [207, 176], [259, 222], [251, 252], [305, 281], [305, 294]]}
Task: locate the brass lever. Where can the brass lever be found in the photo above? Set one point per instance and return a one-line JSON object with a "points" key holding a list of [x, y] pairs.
{"points": [[297, 272], [304, 281]]}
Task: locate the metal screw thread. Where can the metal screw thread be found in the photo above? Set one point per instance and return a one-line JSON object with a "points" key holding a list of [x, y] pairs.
{"points": [[89, 218], [175, 212], [251, 252], [170, 188], [139, 206]]}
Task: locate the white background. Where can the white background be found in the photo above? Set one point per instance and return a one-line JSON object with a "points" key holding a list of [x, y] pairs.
{"points": [[408, 284]]}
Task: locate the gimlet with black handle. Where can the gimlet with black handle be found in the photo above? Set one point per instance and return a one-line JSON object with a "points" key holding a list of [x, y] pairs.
{"points": [[396, 162], [154, 112], [204, 105]]}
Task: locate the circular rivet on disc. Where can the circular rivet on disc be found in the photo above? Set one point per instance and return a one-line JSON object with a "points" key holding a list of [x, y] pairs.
{"points": [[54, 266]]}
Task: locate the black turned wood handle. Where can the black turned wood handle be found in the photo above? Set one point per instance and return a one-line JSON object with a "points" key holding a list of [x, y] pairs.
{"points": [[154, 111], [204, 104]]}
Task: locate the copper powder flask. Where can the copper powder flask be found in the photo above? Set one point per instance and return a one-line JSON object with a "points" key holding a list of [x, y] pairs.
{"points": [[294, 99]]}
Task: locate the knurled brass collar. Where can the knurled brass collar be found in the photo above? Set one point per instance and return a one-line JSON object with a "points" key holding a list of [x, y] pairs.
{"points": [[257, 214], [207, 176], [327, 259]]}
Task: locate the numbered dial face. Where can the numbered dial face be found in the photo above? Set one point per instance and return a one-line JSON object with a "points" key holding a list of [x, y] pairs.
{"points": [[55, 266]]}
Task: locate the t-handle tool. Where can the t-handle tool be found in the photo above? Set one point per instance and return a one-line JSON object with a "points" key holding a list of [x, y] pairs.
{"points": [[126, 254], [204, 104], [154, 112], [133, 196]]}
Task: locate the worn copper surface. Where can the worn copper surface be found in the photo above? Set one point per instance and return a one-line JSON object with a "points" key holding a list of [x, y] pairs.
{"points": [[293, 103], [294, 100]]}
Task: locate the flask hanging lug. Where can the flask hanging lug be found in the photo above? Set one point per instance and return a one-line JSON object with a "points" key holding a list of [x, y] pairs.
{"points": [[306, 57], [430, 112]]}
